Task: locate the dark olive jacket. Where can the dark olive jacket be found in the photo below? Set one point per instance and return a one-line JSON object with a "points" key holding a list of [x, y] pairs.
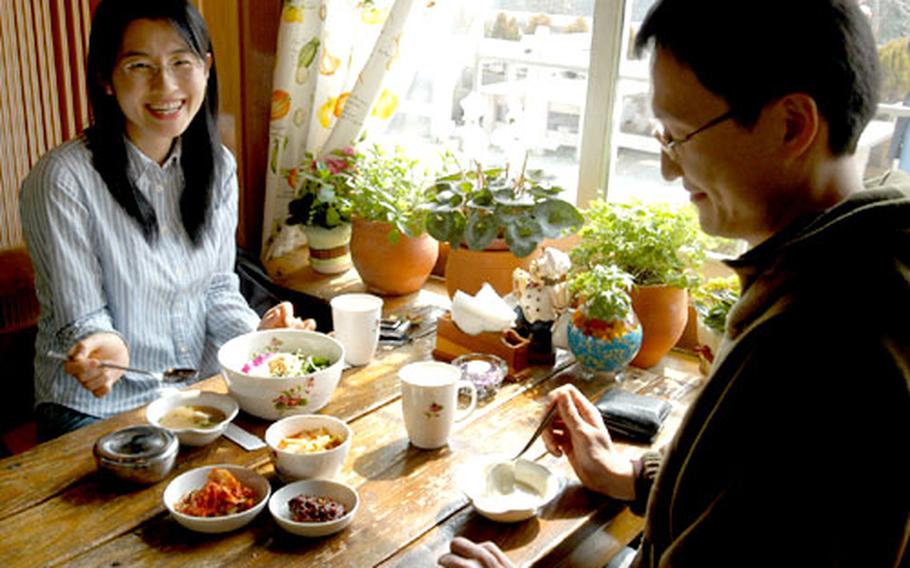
{"points": [[795, 453]]}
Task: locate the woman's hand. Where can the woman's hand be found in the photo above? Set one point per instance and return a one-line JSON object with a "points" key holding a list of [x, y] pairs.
{"points": [[282, 315], [84, 358], [578, 431], [466, 554]]}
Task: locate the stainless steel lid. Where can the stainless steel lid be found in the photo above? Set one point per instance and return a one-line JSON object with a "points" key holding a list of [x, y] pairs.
{"points": [[136, 446]]}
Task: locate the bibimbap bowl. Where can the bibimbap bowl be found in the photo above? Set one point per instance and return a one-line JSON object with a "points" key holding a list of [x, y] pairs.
{"points": [[281, 372]]}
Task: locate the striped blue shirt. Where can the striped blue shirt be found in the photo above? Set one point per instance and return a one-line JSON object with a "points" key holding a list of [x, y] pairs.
{"points": [[173, 304]]}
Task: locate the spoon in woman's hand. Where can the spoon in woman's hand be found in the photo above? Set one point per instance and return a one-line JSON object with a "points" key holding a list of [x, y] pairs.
{"points": [[171, 375]]}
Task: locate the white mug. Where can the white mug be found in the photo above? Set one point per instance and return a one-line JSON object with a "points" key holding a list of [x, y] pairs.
{"points": [[355, 318], [429, 396]]}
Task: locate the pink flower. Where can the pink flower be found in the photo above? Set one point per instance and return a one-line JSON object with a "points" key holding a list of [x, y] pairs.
{"points": [[337, 165]]}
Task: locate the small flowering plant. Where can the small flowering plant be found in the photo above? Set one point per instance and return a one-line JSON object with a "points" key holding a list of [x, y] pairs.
{"points": [[322, 188], [604, 308]]}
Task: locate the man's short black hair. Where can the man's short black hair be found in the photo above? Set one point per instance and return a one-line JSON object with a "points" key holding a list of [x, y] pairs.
{"points": [[751, 52]]}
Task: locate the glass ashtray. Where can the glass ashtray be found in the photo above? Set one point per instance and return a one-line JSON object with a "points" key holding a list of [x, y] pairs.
{"points": [[484, 370]]}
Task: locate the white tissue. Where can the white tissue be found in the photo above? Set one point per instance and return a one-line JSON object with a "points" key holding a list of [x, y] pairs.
{"points": [[485, 311]]}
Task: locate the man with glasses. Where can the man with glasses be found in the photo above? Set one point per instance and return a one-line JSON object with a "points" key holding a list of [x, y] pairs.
{"points": [[788, 456]]}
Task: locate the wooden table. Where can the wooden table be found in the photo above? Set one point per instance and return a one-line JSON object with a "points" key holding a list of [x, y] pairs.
{"points": [[55, 508]]}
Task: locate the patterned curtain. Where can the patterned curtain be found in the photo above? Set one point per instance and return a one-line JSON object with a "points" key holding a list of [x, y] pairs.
{"points": [[337, 69]]}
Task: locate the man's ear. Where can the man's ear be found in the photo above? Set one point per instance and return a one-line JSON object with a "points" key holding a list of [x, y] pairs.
{"points": [[800, 118]]}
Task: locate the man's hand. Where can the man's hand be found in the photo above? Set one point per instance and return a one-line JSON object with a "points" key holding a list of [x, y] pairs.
{"points": [[578, 431], [282, 315], [84, 358], [466, 554]]}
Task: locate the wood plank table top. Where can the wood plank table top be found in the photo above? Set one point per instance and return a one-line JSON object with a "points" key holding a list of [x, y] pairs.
{"points": [[55, 508]]}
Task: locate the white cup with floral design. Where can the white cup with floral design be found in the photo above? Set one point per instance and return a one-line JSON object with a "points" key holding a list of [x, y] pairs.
{"points": [[429, 401]]}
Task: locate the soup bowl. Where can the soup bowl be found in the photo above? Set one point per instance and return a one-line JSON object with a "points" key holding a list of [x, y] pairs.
{"points": [[193, 435], [245, 357]]}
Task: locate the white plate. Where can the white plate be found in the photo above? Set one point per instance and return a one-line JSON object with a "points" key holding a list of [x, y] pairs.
{"points": [[501, 491]]}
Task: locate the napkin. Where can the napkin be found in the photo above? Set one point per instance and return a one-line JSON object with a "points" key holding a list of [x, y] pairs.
{"points": [[485, 311], [634, 416]]}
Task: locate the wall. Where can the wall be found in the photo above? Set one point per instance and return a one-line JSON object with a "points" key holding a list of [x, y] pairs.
{"points": [[42, 102]]}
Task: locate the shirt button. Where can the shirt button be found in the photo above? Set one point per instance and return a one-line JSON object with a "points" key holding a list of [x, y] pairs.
{"points": [[183, 348], [159, 188]]}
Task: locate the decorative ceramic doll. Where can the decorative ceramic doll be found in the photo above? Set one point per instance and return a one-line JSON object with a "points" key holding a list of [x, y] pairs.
{"points": [[542, 295]]}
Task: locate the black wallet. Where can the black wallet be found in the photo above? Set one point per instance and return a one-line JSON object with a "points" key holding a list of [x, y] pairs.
{"points": [[633, 416]]}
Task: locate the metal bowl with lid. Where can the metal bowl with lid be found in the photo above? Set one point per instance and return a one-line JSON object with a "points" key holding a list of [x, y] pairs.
{"points": [[138, 454]]}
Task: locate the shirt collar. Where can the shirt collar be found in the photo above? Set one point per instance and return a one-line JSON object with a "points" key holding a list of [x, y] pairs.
{"points": [[141, 165]]}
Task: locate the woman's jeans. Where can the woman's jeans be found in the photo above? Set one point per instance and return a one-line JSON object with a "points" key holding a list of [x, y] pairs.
{"points": [[56, 420]]}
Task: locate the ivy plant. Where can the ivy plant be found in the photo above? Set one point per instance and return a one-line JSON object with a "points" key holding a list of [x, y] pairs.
{"points": [[602, 292], [655, 243], [389, 187], [714, 299]]}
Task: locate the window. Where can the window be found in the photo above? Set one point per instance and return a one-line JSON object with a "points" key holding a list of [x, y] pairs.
{"points": [[513, 75], [886, 141], [508, 77]]}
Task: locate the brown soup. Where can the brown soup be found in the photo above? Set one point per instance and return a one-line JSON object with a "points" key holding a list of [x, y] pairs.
{"points": [[188, 416]]}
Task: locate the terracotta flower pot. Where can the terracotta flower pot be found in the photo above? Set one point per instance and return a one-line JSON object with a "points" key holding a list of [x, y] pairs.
{"points": [[467, 269], [439, 269], [330, 251], [391, 268], [663, 312]]}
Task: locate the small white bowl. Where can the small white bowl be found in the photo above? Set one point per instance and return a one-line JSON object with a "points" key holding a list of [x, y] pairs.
{"points": [[196, 479], [487, 484], [322, 465], [340, 492], [193, 436], [272, 398]]}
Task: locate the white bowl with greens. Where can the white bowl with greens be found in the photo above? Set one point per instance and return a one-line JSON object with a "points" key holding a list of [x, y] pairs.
{"points": [[281, 372]]}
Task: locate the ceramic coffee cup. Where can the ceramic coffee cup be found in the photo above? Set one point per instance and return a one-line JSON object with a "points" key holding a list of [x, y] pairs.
{"points": [[429, 398], [355, 318]]}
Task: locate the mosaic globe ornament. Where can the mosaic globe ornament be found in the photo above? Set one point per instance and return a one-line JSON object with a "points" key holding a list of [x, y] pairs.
{"points": [[608, 352]]}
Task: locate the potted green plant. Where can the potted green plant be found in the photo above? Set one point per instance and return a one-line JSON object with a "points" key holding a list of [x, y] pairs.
{"points": [[604, 334], [713, 301], [322, 205], [479, 211], [662, 248], [390, 248]]}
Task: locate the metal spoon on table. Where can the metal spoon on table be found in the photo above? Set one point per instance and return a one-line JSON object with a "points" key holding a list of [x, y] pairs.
{"points": [[171, 375]]}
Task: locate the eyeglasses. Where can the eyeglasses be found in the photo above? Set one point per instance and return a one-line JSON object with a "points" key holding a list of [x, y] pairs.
{"points": [[145, 70], [670, 145]]}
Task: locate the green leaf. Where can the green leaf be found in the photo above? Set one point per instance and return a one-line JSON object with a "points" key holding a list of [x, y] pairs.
{"points": [[523, 236], [556, 216], [446, 227], [332, 217], [481, 230]]}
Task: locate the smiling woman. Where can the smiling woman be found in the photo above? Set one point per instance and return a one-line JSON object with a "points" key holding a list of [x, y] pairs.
{"points": [[131, 226]]}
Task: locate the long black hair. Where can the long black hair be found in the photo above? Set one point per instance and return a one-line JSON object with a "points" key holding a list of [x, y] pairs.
{"points": [[201, 143]]}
